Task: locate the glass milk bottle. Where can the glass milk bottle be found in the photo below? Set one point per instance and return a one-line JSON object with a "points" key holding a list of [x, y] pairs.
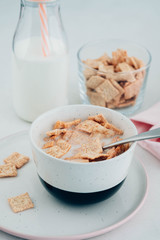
{"points": [[40, 59]]}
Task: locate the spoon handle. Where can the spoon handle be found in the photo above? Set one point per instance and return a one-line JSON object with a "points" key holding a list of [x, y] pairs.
{"points": [[155, 133]]}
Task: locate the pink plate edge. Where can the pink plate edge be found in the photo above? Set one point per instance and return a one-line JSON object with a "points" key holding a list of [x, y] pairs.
{"points": [[86, 235]]}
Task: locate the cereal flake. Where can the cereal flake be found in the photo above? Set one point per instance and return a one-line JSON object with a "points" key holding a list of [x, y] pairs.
{"points": [[56, 132], [8, 170], [17, 159], [20, 203], [107, 91]]}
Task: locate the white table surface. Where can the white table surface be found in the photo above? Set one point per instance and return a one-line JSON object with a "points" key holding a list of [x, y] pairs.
{"points": [[86, 20]]}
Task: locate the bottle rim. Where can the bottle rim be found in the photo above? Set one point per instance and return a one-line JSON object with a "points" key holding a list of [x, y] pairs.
{"points": [[40, 1]]}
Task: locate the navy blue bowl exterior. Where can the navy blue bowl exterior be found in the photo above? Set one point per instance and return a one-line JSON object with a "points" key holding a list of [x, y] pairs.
{"points": [[81, 198]]}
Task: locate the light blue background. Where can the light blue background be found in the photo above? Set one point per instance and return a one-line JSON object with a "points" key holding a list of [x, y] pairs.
{"points": [[85, 20]]}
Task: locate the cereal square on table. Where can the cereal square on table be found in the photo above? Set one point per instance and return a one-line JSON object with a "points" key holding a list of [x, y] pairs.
{"points": [[20, 203], [8, 170], [17, 159]]}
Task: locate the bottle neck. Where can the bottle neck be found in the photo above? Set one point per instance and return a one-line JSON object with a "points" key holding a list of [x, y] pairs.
{"points": [[31, 9], [41, 20], [36, 3]]}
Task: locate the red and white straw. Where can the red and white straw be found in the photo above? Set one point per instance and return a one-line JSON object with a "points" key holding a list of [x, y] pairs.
{"points": [[44, 29]]}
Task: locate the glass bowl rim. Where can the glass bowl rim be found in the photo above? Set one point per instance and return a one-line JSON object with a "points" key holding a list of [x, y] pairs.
{"points": [[89, 43]]}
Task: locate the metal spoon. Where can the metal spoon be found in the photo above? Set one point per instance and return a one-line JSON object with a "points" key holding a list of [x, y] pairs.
{"points": [[139, 137]]}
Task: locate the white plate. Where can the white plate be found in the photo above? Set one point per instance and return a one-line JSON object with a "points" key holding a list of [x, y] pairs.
{"points": [[54, 219]]}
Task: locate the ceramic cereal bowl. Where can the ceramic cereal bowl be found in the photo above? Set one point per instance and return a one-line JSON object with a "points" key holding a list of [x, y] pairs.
{"points": [[75, 180]]}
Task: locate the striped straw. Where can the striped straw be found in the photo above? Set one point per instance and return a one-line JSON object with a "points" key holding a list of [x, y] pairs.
{"points": [[44, 29]]}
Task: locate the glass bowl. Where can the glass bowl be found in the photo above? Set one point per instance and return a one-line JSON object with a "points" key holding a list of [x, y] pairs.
{"points": [[113, 78]]}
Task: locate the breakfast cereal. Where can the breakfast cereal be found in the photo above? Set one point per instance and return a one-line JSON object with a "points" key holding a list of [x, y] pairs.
{"points": [[91, 126], [56, 132], [83, 140], [61, 124], [79, 137], [67, 135], [101, 120], [48, 144], [96, 98], [8, 170], [90, 150], [107, 91], [98, 118], [118, 56], [88, 72], [60, 149], [94, 82], [20, 203], [106, 68], [80, 160], [113, 82], [17, 159], [132, 89]]}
